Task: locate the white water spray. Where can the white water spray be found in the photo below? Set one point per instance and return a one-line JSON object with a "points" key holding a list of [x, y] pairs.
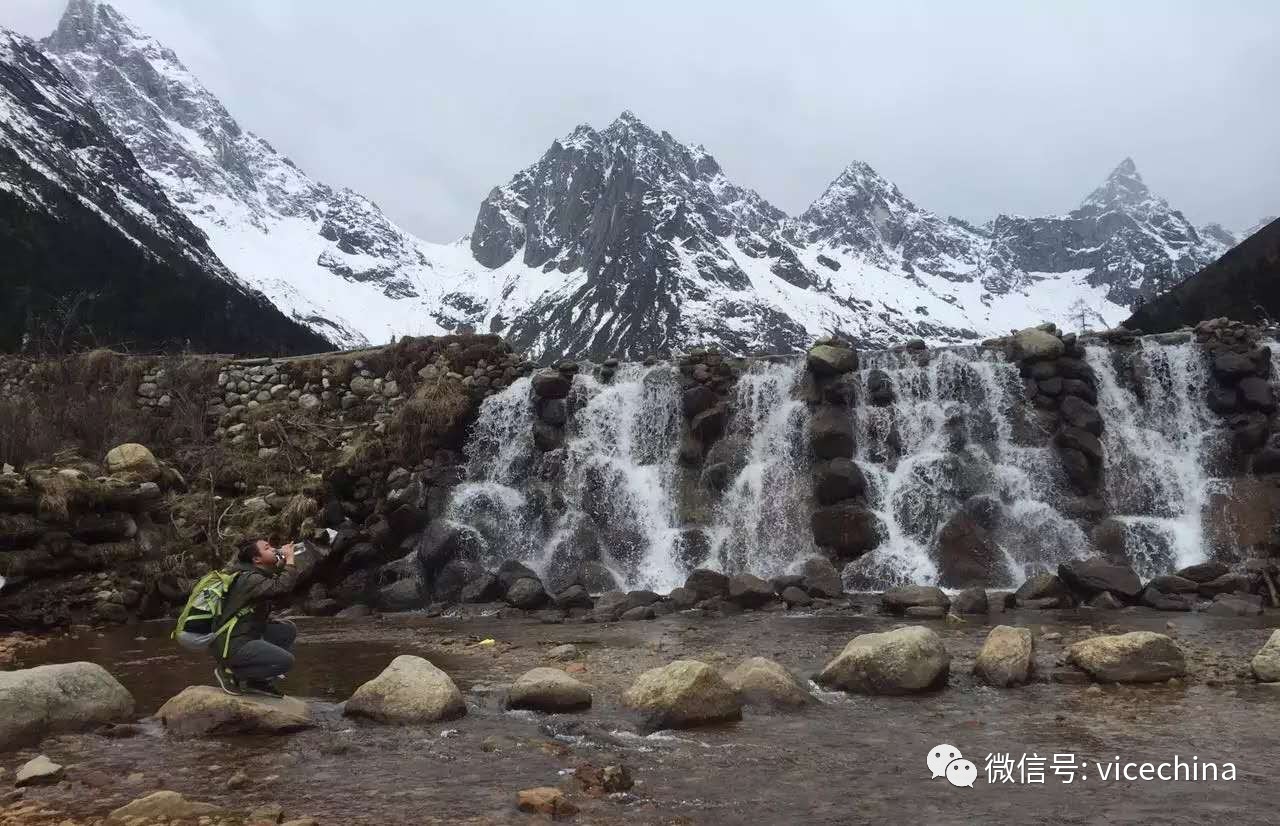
{"points": [[1159, 438]]}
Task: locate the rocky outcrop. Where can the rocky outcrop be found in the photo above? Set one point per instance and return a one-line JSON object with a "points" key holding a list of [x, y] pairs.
{"points": [[50, 699], [904, 661], [1240, 285], [684, 694], [410, 690], [1135, 657], [200, 711]]}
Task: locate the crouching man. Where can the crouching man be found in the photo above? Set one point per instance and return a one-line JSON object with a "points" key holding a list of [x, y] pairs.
{"points": [[259, 650]]}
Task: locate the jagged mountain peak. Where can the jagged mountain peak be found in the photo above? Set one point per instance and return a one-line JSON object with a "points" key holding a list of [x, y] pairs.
{"points": [[863, 212], [97, 25], [1123, 189]]}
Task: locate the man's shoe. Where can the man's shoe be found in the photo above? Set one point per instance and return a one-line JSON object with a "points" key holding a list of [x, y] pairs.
{"points": [[266, 687], [227, 681]]}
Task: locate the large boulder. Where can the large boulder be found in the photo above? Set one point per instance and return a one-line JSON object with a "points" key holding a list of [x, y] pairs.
{"points": [[762, 682], [1135, 657], [1088, 577], [527, 593], [832, 360], [551, 384], [971, 601], [750, 591], [831, 432], [1266, 663], [404, 595], [1233, 605], [819, 578], [1203, 572], [1077, 412], [967, 556], [410, 690], [848, 528], [484, 588], [1033, 344], [707, 583], [837, 480], [48, 699], [511, 571], [898, 600], [133, 463], [609, 606], [684, 694], [202, 710], [1007, 657], [548, 689], [902, 661], [1043, 591]]}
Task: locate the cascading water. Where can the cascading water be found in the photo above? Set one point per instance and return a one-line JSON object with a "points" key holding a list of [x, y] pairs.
{"points": [[1160, 440], [953, 440], [608, 495], [619, 476], [957, 459], [761, 523]]}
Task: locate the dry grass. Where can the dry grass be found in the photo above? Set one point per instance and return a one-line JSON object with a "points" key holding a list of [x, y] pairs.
{"points": [[88, 403], [437, 413]]}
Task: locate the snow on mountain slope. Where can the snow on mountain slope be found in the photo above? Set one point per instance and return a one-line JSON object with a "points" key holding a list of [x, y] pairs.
{"points": [[92, 251], [1130, 239], [328, 257], [622, 241]]}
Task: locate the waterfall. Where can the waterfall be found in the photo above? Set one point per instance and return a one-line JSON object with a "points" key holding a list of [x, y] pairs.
{"points": [[1160, 441], [954, 437], [619, 476], [608, 495], [761, 523], [958, 467]]}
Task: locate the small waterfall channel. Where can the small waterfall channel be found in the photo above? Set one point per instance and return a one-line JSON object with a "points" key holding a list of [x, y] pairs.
{"points": [[1162, 442], [955, 445]]}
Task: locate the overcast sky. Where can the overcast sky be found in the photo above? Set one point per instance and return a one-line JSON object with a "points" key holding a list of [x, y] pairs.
{"points": [[971, 108]]}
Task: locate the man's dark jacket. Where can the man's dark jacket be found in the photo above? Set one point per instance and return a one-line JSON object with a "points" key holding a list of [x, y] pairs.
{"points": [[255, 588]]}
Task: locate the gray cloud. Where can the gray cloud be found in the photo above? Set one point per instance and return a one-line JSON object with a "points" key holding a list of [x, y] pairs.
{"points": [[972, 109]]}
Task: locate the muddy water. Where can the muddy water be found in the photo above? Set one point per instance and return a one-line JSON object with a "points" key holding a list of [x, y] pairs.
{"points": [[850, 760]]}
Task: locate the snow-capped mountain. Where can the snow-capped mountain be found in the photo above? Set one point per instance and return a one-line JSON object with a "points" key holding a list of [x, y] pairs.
{"points": [[1129, 239], [622, 241], [327, 256], [91, 248]]}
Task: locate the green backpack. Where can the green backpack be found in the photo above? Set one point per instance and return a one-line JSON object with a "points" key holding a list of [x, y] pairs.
{"points": [[195, 630]]}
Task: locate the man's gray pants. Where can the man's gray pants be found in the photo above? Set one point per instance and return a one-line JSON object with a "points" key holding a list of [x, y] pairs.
{"points": [[266, 658]]}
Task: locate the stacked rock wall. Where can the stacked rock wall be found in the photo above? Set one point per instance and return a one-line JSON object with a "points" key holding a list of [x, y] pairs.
{"points": [[1063, 390], [842, 525], [74, 535]]}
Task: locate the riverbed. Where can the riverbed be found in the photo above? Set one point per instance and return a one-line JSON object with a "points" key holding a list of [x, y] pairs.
{"points": [[849, 759]]}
